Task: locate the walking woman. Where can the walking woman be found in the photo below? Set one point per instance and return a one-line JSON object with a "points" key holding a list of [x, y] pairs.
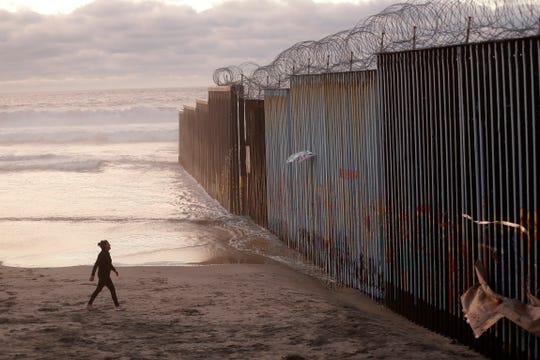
{"points": [[105, 266]]}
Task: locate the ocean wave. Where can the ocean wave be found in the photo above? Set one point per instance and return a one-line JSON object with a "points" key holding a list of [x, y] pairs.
{"points": [[77, 162], [94, 133], [10, 163], [168, 98], [12, 158], [56, 117]]}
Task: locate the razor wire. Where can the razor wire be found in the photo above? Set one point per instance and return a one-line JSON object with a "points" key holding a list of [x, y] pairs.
{"points": [[405, 26]]}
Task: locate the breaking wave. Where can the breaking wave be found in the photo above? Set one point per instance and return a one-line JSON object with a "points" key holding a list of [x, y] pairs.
{"points": [[136, 124], [49, 162]]}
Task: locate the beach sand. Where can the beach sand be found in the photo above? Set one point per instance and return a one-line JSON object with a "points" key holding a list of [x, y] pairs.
{"points": [[220, 311]]}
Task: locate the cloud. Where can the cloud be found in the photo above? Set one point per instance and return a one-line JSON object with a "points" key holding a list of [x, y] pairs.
{"points": [[122, 43]]}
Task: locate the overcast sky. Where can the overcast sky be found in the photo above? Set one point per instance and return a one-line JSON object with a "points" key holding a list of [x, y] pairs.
{"points": [[48, 45]]}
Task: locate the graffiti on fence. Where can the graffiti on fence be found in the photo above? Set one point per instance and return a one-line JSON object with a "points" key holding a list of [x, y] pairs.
{"points": [[348, 174]]}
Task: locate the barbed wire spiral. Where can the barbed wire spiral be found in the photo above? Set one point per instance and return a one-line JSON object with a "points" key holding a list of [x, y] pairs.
{"points": [[414, 24]]}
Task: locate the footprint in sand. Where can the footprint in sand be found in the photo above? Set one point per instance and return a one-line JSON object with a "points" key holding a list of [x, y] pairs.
{"points": [[48, 309], [161, 281], [7, 304], [190, 312]]}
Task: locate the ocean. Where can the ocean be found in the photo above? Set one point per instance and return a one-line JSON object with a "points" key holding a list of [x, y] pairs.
{"points": [[79, 167]]}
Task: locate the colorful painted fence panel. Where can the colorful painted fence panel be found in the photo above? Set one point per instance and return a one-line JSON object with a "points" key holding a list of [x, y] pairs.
{"points": [[278, 148], [328, 207]]}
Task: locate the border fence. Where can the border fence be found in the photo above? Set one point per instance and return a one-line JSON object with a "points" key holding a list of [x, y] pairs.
{"points": [[406, 25], [460, 143], [321, 205], [222, 145], [254, 200], [421, 168], [212, 159]]}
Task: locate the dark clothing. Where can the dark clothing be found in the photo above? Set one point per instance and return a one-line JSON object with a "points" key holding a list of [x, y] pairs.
{"points": [[104, 263], [109, 284], [104, 266]]}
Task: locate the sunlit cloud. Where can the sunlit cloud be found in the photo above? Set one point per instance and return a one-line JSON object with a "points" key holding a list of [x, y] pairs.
{"points": [[67, 6], [119, 43]]}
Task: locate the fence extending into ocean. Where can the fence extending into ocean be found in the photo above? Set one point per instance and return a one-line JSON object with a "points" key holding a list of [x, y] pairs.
{"points": [[421, 169]]}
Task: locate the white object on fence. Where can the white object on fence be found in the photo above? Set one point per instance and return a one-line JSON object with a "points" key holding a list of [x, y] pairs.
{"points": [[300, 156]]}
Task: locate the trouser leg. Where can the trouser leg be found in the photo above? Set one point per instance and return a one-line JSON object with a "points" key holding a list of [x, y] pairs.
{"points": [[110, 285], [100, 286]]}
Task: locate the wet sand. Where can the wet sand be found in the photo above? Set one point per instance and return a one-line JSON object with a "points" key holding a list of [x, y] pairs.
{"points": [[220, 311]]}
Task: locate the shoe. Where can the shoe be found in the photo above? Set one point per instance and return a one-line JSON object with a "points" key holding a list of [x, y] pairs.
{"points": [[119, 308]]}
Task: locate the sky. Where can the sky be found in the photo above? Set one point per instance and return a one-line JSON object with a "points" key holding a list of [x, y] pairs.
{"points": [[105, 44]]}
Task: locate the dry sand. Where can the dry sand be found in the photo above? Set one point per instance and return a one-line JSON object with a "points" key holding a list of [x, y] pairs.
{"points": [[223, 311]]}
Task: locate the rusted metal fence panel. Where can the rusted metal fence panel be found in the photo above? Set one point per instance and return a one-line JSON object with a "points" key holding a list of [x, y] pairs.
{"points": [[211, 136], [255, 204], [199, 143], [329, 207], [223, 136], [187, 133], [459, 141]]}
